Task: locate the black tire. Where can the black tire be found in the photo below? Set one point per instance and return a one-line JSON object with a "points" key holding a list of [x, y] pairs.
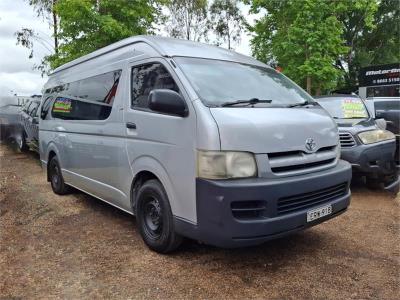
{"points": [[154, 218], [56, 179], [373, 183], [21, 143]]}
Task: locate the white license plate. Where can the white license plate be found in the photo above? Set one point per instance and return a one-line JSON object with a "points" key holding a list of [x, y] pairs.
{"points": [[318, 213]]}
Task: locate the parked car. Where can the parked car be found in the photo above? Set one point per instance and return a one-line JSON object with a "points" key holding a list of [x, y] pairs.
{"points": [[388, 108], [10, 122], [19, 122], [195, 140], [30, 122], [364, 143]]}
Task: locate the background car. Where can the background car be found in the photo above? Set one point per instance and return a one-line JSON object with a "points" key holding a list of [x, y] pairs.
{"points": [[364, 143], [388, 108], [10, 119], [30, 123], [19, 122]]}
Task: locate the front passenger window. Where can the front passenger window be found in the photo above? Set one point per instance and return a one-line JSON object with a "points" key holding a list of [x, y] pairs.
{"points": [[146, 78]]}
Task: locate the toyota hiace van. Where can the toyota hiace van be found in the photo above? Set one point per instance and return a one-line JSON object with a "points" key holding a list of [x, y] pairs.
{"points": [[195, 140]]}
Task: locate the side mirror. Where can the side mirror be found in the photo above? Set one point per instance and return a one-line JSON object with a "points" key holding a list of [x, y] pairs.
{"points": [[35, 120], [381, 123], [168, 102]]}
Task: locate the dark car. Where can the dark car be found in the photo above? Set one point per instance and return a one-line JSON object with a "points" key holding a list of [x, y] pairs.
{"points": [[388, 108], [11, 128], [30, 123], [364, 143]]}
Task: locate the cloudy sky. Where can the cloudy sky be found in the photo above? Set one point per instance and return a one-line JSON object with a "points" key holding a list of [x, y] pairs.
{"points": [[16, 69]]}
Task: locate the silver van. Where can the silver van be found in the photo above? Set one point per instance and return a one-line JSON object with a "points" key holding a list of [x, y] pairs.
{"points": [[195, 140]]}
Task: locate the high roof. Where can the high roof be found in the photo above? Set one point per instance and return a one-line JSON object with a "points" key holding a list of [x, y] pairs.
{"points": [[169, 47]]}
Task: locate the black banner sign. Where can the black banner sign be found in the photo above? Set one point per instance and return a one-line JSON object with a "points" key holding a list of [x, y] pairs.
{"points": [[380, 75]]}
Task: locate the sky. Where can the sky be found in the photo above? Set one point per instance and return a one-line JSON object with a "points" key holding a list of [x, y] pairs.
{"points": [[17, 75]]}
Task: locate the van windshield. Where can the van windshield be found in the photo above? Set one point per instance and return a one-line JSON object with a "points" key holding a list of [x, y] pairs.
{"points": [[218, 83]]}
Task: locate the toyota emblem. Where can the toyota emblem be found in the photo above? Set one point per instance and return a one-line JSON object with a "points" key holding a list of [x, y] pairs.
{"points": [[310, 144]]}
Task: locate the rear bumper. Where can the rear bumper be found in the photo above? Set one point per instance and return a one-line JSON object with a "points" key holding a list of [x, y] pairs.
{"points": [[218, 226]]}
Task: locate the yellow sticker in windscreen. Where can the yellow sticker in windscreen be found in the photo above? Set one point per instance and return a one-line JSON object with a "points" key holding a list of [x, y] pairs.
{"points": [[353, 108], [62, 105]]}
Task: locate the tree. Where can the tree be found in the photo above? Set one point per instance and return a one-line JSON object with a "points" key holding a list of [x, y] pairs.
{"points": [[356, 17], [188, 19], [83, 26], [303, 37], [26, 37], [87, 25], [371, 32], [226, 21]]}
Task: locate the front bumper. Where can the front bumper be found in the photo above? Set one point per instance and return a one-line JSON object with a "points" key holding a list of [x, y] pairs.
{"points": [[217, 225], [373, 159]]}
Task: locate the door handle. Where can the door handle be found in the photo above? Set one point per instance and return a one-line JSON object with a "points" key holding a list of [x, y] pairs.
{"points": [[130, 125]]}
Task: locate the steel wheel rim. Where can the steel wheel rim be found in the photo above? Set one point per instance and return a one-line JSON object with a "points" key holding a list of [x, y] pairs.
{"points": [[55, 178], [152, 217]]}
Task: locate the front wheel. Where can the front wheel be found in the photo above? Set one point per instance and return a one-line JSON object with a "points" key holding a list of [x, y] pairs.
{"points": [[154, 218], [374, 183], [56, 179], [21, 142]]}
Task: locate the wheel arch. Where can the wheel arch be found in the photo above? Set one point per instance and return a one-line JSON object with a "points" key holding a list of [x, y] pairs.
{"points": [[147, 168], [51, 152]]}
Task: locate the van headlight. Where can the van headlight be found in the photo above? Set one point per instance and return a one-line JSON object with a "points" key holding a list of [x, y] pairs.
{"points": [[375, 136], [225, 164]]}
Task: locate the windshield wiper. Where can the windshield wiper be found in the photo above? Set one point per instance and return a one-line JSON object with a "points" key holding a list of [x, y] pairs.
{"points": [[305, 103], [251, 101], [350, 118]]}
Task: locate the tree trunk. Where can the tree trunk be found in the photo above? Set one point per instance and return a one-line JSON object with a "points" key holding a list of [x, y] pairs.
{"points": [[309, 84], [318, 91], [55, 28]]}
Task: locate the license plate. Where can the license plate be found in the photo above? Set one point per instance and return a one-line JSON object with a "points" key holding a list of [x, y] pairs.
{"points": [[319, 213]]}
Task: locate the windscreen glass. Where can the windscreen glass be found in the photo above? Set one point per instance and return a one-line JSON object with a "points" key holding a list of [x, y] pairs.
{"points": [[218, 82], [345, 108]]}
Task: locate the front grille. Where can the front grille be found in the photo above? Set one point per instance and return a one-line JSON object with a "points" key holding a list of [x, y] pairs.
{"points": [[346, 140], [301, 201], [302, 166], [245, 210], [300, 161]]}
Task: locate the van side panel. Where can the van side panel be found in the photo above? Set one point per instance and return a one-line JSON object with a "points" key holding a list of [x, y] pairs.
{"points": [[92, 153]]}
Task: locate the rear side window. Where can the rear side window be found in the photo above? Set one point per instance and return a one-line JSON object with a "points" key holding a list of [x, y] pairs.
{"points": [[101, 88], [88, 99], [146, 78], [26, 107], [46, 105], [68, 108], [33, 108]]}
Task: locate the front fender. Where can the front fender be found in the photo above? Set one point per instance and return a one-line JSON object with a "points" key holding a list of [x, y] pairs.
{"points": [[150, 164]]}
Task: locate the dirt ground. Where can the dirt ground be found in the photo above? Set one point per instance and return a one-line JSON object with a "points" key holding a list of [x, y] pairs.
{"points": [[78, 247]]}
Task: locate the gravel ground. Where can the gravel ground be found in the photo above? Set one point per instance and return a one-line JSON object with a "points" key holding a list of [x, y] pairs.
{"points": [[78, 247]]}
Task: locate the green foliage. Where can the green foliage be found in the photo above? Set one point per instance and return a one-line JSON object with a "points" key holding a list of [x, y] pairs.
{"points": [[371, 31], [326, 41], [87, 25], [226, 21], [303, 37]]}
